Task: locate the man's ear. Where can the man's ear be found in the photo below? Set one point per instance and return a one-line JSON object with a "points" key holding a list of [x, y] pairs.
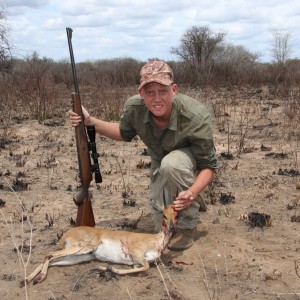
{"points": [[175, 88], [141, 92]]}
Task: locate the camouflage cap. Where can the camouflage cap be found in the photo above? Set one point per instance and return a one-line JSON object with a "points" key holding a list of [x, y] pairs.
{"points": [[156, 71]]}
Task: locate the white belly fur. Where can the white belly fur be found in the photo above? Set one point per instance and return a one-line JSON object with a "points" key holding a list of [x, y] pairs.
{"points": [[112, 251]]}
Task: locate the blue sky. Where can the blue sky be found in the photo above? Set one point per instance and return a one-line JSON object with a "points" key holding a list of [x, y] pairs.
{"points": [[144, 29]]}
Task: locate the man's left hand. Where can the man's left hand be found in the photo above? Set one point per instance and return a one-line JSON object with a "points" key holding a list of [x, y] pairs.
{"points": [[183, 200]]}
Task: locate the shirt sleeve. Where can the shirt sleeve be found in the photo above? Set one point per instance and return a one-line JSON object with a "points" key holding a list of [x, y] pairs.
{"points": [[127, 130], [202, 143]]}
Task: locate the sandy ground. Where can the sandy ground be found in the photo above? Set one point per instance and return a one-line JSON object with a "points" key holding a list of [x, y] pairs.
{"points": [[232, 258]]}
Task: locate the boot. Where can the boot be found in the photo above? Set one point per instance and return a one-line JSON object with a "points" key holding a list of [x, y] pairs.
{"points": [[182, 239], [200, 200]]}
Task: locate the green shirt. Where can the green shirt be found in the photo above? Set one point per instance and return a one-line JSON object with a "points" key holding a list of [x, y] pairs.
{"points": [[189, 126]]}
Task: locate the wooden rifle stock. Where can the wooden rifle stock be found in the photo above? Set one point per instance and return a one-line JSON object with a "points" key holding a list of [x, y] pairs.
{"points": [[85, 215]]}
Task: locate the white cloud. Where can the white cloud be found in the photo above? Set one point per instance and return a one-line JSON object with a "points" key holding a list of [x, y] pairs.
{"points": [[28, 3], [54, 23], [142, 29]]}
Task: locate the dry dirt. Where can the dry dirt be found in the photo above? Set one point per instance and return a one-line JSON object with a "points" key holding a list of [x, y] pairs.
{"points": [[230, 259]]}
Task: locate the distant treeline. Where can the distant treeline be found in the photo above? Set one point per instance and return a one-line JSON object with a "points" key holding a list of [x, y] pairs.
{"points": [[38, 84], [125, 72]]}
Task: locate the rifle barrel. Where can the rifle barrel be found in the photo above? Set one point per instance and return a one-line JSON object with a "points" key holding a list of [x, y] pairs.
{"points": [[69, 35]]}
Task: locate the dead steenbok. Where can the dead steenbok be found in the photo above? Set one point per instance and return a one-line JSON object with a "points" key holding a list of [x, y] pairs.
{"points": [[82, 244]]}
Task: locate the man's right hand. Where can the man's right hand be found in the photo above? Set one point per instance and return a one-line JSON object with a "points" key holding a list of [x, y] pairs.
{"points": [[76, 119]]}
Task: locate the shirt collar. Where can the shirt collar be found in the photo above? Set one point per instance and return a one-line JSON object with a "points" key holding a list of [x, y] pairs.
{"points": [[147, 117], [173, 118]]}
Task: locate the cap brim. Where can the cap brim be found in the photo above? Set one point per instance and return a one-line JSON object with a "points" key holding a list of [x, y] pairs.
{"points": [[160, 81]]}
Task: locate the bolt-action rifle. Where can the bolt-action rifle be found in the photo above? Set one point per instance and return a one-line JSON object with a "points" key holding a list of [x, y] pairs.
{"points": [[86, 149]]}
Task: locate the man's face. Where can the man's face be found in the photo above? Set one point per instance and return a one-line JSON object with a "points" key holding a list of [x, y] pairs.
{"points": [[158, 98]]}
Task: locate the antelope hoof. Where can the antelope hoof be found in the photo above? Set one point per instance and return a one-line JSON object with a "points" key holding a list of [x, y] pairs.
{"points": [[38, 278], [23, 282]]}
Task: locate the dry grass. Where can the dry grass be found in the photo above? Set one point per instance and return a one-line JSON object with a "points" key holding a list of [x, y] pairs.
{"points": [[228, 260]]}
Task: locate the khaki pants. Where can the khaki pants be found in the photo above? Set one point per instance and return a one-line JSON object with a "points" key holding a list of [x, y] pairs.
{"points": [[175, 173]]}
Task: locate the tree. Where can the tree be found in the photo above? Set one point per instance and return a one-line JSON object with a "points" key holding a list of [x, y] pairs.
{"points": [[5, 50], [281, 50], [236, 64], [198, 47]]}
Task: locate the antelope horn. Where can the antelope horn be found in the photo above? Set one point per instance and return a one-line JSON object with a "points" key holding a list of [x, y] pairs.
{"points": [[176, 195], [164, 199]]}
